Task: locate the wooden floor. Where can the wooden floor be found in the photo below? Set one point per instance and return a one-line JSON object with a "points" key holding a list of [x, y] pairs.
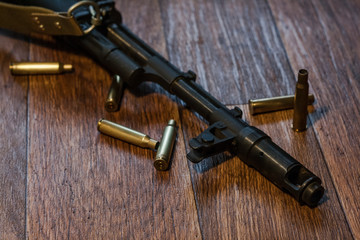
{"points": [[61, 179]]}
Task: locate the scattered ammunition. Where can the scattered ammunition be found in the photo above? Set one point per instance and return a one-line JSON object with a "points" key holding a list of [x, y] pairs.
{"points": [[31, 68], [126, 134], [115, 94], [164, 151], [301, 100], [264, 105]]}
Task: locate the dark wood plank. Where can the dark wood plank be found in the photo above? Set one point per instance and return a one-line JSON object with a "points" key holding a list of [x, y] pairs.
{"points": [[323, 36], [13, 120], [236, 202], [83, 185], [233, 46], [143, 18]]}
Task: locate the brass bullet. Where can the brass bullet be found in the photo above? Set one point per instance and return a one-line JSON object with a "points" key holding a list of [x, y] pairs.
{"points": [[264, 105], [126, 134], [115, 93], [301, 100], [31, 68], [166, 146]]}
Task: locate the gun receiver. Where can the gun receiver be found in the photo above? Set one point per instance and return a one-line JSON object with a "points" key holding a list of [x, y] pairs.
{"points": [[124, 54]]}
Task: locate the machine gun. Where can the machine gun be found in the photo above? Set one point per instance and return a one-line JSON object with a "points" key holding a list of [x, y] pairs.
{"points": [[96, 27]]}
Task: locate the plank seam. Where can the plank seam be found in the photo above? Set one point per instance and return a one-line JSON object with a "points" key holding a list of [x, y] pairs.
{"points": [[27, 147]]}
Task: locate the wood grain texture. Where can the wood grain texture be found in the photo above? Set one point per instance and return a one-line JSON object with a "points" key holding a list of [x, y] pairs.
{"points": [[13, 120], [233, 46], [323, 36], [79, 184], [236, 202], [83, 185]]}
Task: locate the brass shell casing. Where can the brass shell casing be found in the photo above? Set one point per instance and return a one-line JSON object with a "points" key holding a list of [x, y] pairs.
{"points": [[126, 134], [31, 68], [264, 105], [166, 146], [115, 93], [300, 102]]}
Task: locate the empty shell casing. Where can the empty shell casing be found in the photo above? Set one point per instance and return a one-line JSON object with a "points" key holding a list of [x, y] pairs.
{"points": [[300, 102], [166, 146], [264, 105], [29, 68], [115, 94], [126, 134]]}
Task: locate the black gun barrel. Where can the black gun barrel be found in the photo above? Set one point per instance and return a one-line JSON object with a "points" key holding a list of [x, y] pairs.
{"points": [[255, 148]]}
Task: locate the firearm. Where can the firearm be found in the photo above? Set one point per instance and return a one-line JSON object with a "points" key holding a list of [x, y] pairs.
{"points": [[121, 52]]}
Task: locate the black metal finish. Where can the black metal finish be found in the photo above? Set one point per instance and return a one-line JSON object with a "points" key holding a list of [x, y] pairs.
{"points": [[123, 53]]}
